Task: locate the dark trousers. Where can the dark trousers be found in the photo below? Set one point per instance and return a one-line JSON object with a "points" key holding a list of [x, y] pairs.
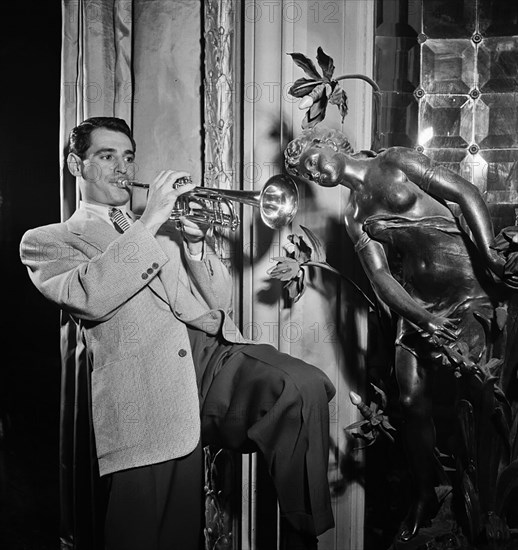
{"points": [[252, 398]]}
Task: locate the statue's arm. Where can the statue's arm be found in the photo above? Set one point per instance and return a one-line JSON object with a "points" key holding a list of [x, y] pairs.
{"points": [[445, 184], [374, 261], [375, 265]]}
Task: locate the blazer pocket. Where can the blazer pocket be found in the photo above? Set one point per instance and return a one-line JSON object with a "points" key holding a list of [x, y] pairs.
{"points": [[118, 406]]}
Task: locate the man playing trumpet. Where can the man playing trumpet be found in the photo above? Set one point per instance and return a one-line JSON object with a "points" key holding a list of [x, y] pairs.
{"points": [[190, 377]]}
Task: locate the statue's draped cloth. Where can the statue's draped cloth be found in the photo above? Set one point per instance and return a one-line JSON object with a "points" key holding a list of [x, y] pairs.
{"points": [[439, 266]]}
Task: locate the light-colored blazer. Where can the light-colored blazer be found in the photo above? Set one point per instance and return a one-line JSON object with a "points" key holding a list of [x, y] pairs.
{"points": [[132, 295]]}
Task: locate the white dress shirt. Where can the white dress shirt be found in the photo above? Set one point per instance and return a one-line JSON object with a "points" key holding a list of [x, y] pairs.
{"points": [[102, 211]]}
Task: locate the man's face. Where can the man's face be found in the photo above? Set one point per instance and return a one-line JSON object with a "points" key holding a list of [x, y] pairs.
{"points": [[321, 165], [109, 158]]}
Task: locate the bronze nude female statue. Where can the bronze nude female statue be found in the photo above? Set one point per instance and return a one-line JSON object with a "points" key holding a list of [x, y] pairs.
{"points": [[422, 264]]}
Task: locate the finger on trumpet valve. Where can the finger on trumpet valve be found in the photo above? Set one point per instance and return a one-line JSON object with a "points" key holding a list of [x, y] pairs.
{"points": [[182, 181]]}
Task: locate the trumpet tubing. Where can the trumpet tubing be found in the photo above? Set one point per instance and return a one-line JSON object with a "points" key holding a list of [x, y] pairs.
{"points": [[277, 202]]}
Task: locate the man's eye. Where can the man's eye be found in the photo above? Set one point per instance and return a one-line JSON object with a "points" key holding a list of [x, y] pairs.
{"points": [[106, 157], [130, 160]]}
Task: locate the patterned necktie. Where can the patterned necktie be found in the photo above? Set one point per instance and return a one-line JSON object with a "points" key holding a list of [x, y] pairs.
{"points": [[120, 221]]}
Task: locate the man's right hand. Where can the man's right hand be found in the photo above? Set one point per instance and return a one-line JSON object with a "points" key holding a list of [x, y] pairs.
{"points": [[162, 198]]}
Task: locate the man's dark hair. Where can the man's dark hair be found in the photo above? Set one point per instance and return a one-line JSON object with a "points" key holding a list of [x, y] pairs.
{"points": [[79, 139]]}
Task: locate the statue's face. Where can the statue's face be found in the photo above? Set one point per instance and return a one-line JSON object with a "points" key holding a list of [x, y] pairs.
{"points": [[321, 164]]}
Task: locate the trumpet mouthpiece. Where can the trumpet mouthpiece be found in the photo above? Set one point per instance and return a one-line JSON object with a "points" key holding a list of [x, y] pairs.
{"points": [[123, 182]]}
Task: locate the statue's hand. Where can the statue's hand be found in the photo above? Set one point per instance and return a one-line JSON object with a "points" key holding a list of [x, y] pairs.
{"points": [[497, 263], [511, 271], [507, 240], [505, 250], [441, 330]]}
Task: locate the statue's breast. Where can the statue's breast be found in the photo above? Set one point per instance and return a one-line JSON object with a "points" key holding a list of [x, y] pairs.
{"points": [[395, 191], [401, 197]]}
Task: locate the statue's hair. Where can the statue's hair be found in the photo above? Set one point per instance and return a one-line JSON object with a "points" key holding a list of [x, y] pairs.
{"points": [[314, 137]]}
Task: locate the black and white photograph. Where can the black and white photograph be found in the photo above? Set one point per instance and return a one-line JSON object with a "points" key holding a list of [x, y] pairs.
{"points": [[260, 264]]}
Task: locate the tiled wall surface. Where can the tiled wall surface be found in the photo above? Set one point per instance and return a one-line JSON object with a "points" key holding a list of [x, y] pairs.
{"points": [[449, 75]]}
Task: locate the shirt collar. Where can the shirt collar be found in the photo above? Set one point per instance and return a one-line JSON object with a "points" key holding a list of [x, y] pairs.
{"points": [[102, 211]]}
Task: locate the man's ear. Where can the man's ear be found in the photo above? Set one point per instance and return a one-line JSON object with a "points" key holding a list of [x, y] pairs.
{"points": [[74, 164]]}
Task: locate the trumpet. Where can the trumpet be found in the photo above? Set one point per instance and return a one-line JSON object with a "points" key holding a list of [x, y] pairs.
{"points": [[277, 202]]}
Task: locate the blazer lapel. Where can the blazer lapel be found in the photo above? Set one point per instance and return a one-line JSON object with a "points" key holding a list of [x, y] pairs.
{"points": [[92, 230], [98, 234]]}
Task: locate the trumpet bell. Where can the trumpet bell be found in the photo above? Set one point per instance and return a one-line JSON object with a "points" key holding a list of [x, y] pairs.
{"points": [[278, 201]]}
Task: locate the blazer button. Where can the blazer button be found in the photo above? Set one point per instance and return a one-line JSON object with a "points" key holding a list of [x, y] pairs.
{"points": [[150, 271], [154, 265], [145, 276], [182, 353]]}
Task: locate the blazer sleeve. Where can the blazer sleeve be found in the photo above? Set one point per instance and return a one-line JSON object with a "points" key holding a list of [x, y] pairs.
{"points": [[90, 285], [210, 280]]}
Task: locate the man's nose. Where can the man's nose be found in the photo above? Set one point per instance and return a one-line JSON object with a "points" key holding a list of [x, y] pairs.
{"points": [[122, 166]]}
